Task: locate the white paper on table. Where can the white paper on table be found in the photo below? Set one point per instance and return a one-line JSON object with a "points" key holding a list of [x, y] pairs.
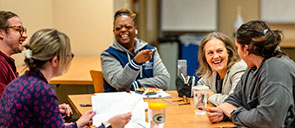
{"points": [[107, 105], [159, 94]]}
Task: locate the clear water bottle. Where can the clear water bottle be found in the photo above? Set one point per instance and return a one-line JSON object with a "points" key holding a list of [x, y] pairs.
{"points": [[156, 114]]}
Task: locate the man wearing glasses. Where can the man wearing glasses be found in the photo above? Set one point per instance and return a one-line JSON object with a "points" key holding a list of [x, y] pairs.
{"points": [[12, 35]]}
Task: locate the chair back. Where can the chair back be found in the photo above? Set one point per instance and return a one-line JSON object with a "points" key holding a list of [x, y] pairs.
{"points": [[97, 80]]}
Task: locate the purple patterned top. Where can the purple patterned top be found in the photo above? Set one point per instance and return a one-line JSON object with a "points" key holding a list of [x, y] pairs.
{"points": [[29, 101]]}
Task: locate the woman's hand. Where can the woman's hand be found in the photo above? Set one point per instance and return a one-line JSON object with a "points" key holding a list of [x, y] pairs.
{"points": [[143, 56], [215, 114], [85, 119], [227, 109], [124, 89], [65, 110], [120, 121]]}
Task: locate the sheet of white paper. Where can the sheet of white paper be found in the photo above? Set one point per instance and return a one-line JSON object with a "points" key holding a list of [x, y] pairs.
{"points": [[107, 105], [157, 94]]}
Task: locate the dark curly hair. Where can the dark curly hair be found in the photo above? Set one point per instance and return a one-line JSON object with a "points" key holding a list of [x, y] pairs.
{"points": [[124, 12], [262, 41]]}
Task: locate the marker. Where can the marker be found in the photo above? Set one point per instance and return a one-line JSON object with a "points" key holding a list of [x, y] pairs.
{"points": [[184, 103], [85, 105], [148, 94]]}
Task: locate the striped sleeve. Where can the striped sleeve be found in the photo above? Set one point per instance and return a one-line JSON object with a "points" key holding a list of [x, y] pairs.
{"points": [[134, 65]]}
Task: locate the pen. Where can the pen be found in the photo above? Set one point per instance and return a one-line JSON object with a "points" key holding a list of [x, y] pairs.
{"points": [[176, 100], [140, 125], [85, 105], [146, 53], [184, 103]]}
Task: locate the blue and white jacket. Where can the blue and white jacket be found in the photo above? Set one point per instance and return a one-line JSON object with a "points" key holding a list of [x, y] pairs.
{"points": [[120, 71]]}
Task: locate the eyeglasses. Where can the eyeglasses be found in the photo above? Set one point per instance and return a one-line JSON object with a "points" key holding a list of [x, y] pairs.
{"points": [[20, 29], [72, 56]]}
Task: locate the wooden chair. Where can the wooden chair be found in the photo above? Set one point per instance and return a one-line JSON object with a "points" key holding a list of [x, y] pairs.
{"points": [[97, 80]]}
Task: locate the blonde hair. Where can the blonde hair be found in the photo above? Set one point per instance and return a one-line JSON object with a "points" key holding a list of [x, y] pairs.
{"points": [[46, 44], [233, 57]]}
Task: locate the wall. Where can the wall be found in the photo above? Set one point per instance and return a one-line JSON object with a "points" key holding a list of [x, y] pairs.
{"points": [[118, 4], [250, 11], [288, 30], [88, 24], [228, 13]]}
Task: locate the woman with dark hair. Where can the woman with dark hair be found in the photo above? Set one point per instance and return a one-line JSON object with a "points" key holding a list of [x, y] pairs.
{"points": [[131, 63], [220, 66], [265, 95]]}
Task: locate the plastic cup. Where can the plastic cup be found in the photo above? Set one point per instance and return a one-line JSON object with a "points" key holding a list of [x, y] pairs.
{"points": [[200, 98]]}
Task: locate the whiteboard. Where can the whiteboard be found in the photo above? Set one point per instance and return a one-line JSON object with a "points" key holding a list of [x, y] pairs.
{"points": [[278, 11], [189, 15]]}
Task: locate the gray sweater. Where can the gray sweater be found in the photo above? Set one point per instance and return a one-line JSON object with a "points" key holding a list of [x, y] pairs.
{"points": [[264, 96], [122, 76]]}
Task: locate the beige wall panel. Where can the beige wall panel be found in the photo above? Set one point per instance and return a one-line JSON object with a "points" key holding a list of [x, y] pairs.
{"points": [[228, 13], [88, 23], [250, 11], [288, 30]]}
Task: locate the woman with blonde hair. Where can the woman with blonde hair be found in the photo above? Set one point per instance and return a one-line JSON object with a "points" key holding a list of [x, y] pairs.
{"points": [[220, 66], [29, 101]]}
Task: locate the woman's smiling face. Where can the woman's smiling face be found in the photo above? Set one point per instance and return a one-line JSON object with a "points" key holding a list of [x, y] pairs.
{"points": [[216, 55], [124, 30]]}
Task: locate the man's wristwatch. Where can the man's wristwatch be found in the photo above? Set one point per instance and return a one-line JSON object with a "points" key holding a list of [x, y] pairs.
{"points": [[106, 124]]}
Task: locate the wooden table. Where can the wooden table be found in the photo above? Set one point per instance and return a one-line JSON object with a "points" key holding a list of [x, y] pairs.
{"points": [[176, 116], [78, 73]]}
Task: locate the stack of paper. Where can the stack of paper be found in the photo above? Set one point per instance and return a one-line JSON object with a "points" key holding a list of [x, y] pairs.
{"points": [[107, 105]]}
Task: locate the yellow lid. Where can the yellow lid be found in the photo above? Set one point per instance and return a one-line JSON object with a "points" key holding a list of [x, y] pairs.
{"points": [[157, 106]]}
